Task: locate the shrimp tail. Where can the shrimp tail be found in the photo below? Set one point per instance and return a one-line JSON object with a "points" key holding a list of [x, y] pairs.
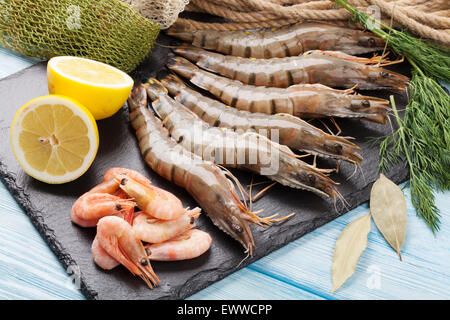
{"points": [[181, 33], [155, 89], [194, 213], [174, 84], [189, 52], [181, 66]]}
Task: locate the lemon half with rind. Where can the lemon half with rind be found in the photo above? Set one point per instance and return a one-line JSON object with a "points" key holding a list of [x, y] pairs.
{"points": [[54, 138], [99, 87]]}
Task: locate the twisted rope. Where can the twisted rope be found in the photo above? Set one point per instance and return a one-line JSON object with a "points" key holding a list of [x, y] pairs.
{"points": [[426, 18]]}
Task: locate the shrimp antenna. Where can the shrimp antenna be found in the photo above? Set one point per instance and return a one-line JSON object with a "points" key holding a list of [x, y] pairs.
{"points": [[362, 173], [354, 172], [260, 193], [245, 258], [244, 193], [345, 204], [390, 124]]}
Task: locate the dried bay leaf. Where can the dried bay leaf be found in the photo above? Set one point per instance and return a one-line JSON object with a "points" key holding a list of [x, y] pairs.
{"points": [[388, 208], [349, 246]]}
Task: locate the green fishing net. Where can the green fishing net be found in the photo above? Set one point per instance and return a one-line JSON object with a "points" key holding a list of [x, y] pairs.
{"points": [[104, 30]]}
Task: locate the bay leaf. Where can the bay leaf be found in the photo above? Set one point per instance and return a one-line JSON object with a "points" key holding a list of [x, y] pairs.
{"points": [[349, 246], [388, 208]]}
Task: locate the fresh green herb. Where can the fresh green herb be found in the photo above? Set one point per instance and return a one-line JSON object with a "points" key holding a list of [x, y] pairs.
{"points": [[423, 137], [423, 141], [433, 60]]}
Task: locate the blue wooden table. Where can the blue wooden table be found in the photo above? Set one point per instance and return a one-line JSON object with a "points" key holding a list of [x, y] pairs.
{"points": [[300, 270]]}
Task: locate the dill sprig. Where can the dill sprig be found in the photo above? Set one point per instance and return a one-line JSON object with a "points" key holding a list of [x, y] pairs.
{"points": [[432, 59], [423, 142]]}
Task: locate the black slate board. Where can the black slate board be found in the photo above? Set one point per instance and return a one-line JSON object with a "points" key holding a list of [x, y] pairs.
{"points": [[48, 206]]}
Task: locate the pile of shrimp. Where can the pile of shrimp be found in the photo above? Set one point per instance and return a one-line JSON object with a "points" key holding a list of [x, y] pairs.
{"points": [[264, 80], [138, 222], [273, 78]]}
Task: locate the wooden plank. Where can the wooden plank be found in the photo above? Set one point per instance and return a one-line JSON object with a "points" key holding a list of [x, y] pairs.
{"points": [[12, 62], [251, 284], [28, 269], [424, 272]]}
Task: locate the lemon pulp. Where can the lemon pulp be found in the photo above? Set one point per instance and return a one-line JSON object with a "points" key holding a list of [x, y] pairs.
{"points": [[54, 139], [93, 72]]}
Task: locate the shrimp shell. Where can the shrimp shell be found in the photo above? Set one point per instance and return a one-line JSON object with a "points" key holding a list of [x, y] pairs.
{"points": [[101, 257], [281, 42], [154, 201], [303, 100], [204, 181], [91, 207], [191, 244], [157, 231], [117, 238], [232, 149], [292, 131], [113, 172], [333, 69]]}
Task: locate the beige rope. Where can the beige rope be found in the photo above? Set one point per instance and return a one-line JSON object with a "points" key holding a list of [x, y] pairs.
{"points": [[426, 18], [401, 15]]}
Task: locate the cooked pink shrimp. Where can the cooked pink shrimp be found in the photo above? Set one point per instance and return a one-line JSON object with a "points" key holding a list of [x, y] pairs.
{"points": [[91, 207], [113, 172], [156, 231], [101, 257], [109, 186], [154, 201], [118, 239], [189, 245]]}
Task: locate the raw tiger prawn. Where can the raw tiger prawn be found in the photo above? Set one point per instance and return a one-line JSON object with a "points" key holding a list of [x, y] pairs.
{"points": [[303, 100], [281, 42], [331, 68]]}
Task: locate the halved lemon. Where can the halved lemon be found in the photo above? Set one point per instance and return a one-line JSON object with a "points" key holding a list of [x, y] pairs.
{"points": [[54, 138], [99, 87]]}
